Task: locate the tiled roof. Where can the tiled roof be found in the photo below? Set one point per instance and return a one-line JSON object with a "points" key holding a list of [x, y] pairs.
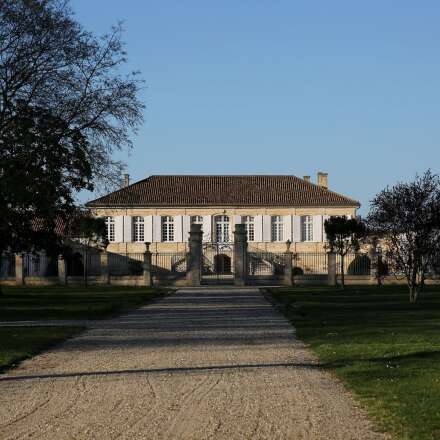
{"points": [[256, 190]]}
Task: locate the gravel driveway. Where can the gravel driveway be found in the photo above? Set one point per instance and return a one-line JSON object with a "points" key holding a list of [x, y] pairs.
{"points": [[200, 364]]}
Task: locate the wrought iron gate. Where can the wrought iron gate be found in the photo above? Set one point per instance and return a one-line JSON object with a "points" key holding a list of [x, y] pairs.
{"points": [[218, 263]]}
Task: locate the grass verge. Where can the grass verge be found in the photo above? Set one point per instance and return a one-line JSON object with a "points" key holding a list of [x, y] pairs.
{"points": [[386, 350], [19, 343], [56, 302]]}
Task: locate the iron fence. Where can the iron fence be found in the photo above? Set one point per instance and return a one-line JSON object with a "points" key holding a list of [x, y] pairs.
{"points": [[309, 263], [266, 263], [40, 265], [7, 265], [125, 264], [354, 264], [169, 264]]}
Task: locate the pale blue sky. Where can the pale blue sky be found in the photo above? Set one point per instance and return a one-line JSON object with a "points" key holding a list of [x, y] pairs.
{"points": [[283, 87]]}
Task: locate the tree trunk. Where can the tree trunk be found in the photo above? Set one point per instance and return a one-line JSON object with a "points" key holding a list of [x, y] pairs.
{"points": [[85, 267], [342, 273], [413, 287]]}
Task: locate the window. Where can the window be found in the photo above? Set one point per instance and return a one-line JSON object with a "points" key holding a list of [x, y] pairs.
{"points": [[248, 221], [222, 229], [167, 228], [138, 229], [277, 228], [196, 220], [306, 228], [110, 224]]}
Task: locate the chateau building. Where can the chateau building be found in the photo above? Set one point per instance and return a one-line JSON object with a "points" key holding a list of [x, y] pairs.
{"points": [[274, 208]]}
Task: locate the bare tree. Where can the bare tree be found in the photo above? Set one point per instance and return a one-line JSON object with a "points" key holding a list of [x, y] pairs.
{"points": [[407, 218], [343, 235]]}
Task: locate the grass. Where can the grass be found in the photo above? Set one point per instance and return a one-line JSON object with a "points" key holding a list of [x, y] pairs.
{"points": [[52, 303], [36, 303], [386, 350], [19, 343]]}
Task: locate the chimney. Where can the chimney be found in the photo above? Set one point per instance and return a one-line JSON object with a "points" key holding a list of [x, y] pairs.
{"points": [[323, 180], [306, 178], [126, 180]]}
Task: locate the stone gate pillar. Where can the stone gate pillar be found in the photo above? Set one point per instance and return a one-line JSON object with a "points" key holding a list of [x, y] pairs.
{"points": [[194, 269], [105, 272], [240, 255], [288, 266], [19, 269], [62, 270], [148, 278], [331, 267]]}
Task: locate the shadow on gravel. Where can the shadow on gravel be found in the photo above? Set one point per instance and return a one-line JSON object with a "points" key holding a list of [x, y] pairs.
{"points": [[212, 368]]}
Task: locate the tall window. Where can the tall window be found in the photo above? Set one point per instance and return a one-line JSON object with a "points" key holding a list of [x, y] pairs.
{"points": [[167, 228], [248, 221], [222, 229], [110, 224], [277, 228], [196, 220], [306, 228], [138, 229]]}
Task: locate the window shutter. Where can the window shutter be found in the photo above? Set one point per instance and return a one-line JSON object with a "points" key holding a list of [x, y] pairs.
{"points": [[157, 229], [258, 228], [186, 224], [296, 228], [267, 232], [119, 229], [127, 229], [317, 228], [148, 228], [237, 220], [287, 228], [178, 228], [206, 227]]}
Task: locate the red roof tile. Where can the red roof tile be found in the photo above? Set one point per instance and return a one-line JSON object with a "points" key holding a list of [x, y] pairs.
{"points": [[255, 190]]}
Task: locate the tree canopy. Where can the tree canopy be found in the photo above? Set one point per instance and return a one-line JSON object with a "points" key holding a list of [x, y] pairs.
{"points": [[65, 107], [406, 217]]}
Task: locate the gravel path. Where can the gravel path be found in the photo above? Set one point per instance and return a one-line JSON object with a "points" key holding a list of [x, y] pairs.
{"points": [[200, 364]]}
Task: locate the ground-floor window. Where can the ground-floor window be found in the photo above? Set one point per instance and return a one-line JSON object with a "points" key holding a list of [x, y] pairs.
{"points": [[277, 227], [138, 229], [306, 228], [167, 228], [110, 225], [196, 220], [248, 221], [222, 229]]}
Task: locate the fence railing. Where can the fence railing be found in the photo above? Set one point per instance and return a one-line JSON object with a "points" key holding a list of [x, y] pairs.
{"points": [[354, 264], [40, 265], [7, 265], [310, 263], [266, 263], [168, 263], [130, 264]]}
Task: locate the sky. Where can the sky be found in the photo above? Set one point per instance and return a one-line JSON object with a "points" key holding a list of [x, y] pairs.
{"points": [[349, 88]]}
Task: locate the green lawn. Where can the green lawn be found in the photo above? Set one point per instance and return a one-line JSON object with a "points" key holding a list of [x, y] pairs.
{"points": [[385, 349], [37, 303], [18, 343], [29, 303]]}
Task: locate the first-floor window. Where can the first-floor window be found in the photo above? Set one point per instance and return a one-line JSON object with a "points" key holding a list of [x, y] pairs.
{"points": [[110, 224], [138, 229], [306, 228], [167, 228], [248, 221], [277, 228]]}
